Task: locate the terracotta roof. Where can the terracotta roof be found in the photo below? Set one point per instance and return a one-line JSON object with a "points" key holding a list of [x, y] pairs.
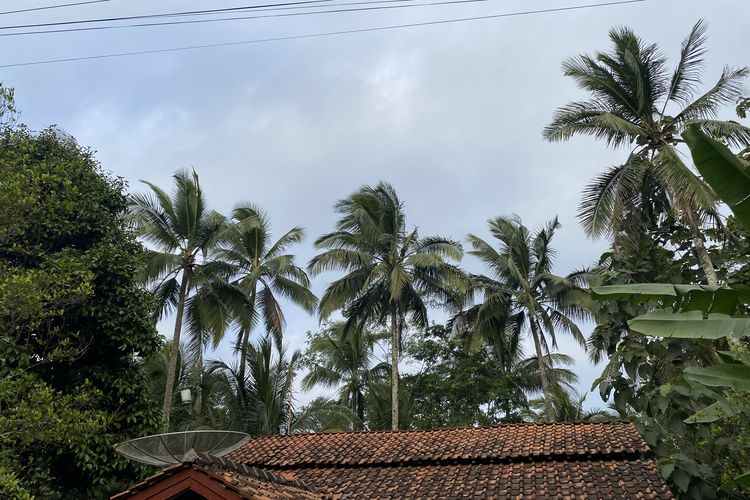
{"points": [[248, 482], [498, 443], [561, 460], [613, 479]]}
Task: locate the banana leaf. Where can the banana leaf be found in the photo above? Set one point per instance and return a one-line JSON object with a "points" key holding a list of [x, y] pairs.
{"points": [[734, 375], [722, 170], [689, 325]]}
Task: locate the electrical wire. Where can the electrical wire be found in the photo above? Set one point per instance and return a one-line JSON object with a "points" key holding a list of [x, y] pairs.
{"points": [[168, 14], [325, 34], [58, 6], [241, 18]]}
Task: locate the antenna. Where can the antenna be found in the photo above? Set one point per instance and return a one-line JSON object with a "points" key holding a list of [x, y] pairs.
{"points": [[174, 447]]}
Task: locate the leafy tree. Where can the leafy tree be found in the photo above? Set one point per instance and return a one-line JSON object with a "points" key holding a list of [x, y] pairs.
{"points": [[458, 386], [636, 103], [8, 110], [261, 402], [523, 293], [72, 320], [184, 230], [261, 270], [341, 359], [390, 272]]}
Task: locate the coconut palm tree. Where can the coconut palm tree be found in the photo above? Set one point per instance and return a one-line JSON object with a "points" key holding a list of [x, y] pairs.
{"points": [[522, 293], [262, 270], [390, 272], [183, 231], [637, 104], [345, 360], [261, 402]]}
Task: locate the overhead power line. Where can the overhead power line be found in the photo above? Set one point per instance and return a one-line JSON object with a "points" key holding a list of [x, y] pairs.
{"points": [[48, 7], [260, 16], [167, 14], [325, 34]]}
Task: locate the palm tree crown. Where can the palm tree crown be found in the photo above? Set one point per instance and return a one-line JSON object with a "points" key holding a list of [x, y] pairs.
{"points": [[522, 293], [263, 271], [637, 103], [389, 272]]}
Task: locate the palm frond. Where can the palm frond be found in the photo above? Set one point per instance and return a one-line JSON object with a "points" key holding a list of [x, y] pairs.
{"points": [[687, 74]]}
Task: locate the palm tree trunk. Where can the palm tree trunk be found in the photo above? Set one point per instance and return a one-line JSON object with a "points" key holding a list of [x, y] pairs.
{"points": [[245, 339], [550, 409], [705, 259], [700, 248], [394, 368], [169, 387]]}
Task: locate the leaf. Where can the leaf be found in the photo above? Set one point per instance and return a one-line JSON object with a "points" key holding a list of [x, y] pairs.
{"points": [[709, 299], [689, 325], [622, 292], [722, 170], [741, 480], [712, 413], [735, 375]]}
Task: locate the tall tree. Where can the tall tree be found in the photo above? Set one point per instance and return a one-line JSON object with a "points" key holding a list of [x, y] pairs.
{"points": [[337, 358], [262, 270], [636, 103], [524, 291], [390, 272], [184, 231], [73, 318]]}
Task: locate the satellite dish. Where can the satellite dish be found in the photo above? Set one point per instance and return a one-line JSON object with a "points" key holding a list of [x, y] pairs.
{"points": [[172, 447]]}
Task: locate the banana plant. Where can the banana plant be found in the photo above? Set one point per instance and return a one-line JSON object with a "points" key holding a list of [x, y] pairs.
{"points": [[699, 311]]}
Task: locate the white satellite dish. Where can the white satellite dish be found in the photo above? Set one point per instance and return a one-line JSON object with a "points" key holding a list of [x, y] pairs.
{"points": [[172, 447]]}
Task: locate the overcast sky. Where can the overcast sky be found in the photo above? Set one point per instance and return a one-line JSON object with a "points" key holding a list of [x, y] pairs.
{"points": [[451, 115]]}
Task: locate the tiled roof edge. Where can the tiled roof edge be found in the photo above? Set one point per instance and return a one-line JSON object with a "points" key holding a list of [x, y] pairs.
{"points": [[448, 429], [252, 471]]}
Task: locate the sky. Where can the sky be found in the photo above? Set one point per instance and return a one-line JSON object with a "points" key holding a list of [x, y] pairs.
{"points": [[450, 114]]}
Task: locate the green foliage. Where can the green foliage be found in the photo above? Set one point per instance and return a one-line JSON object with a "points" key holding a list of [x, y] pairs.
{"points": [[183, 229], [522, 294], [568, 407], [8, 110], [259, 402], [391, 273], [205, 410], [345, 361], [72, 319], [636, 101], [698, 443], [458, 386], [257, 272], [728, 175], [325, 415]]}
